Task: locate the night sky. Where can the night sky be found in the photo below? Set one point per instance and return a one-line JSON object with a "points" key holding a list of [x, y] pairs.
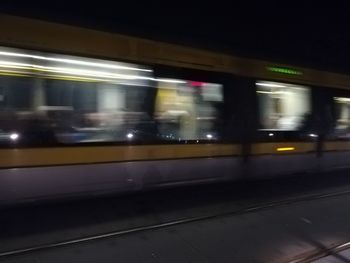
{"points": [[300, 34]]}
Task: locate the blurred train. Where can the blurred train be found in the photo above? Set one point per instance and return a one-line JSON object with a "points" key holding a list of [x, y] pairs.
{"points": [[84, 112]]}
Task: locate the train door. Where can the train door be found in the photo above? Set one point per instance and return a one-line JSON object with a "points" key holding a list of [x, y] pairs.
{"points": [[336, 146], [286, 138], [193, 113]]}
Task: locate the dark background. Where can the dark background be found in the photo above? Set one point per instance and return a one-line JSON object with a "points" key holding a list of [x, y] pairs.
{"points": [[312, 34]]}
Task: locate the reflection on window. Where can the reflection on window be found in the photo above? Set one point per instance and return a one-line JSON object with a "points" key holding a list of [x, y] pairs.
{"points": [[188, 110], [342, 114], [96, 112], [49, 98], [283, 106]]}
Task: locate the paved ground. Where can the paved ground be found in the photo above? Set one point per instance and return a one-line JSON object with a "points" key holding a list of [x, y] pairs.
{"points": [[279, 234]]}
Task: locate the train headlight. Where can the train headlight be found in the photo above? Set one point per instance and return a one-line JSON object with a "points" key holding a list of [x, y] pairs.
{"points": [[130, 135]]}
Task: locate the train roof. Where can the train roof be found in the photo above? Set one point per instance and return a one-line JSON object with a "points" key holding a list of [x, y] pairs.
{"points": [[53, 37]]}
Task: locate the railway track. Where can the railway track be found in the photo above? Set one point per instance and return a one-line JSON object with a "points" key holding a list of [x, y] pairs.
{"points": [[313, 255]]}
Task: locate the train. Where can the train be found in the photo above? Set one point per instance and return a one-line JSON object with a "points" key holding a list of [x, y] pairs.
{"points": [[85, 112]]}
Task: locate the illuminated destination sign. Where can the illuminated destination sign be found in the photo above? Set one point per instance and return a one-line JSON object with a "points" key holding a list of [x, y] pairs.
{"points": [[288, 71]]}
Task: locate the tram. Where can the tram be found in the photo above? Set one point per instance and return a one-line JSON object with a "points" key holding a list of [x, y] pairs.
{"points": [[86, 112]]}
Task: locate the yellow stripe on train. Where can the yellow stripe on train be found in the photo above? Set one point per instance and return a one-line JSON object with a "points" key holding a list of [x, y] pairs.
{"points": [[102, 154]]}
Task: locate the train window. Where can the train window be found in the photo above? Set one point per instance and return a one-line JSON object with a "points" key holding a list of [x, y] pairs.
{"points": [[187, 110], [74, 99], [97, 111], [80, 96], [283, 106], [15, 93], [342, 115]]}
